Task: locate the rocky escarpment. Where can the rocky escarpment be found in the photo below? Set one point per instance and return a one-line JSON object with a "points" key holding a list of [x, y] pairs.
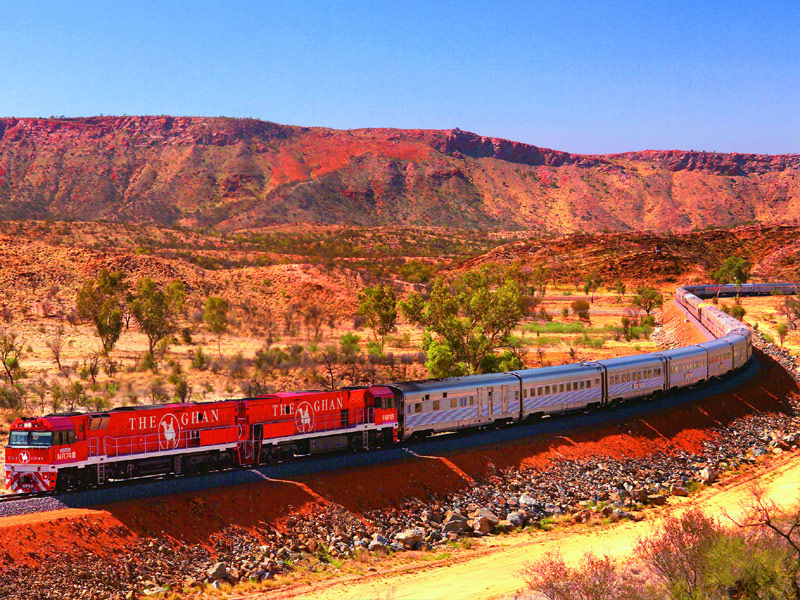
{"points": [[237, 173]]}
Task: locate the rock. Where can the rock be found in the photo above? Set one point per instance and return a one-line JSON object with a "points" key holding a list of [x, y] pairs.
{"points": [[657, 499], [678, 490], [377, 537], [517, 518], [375, 545], [410, 537], [527, 500], [708, 475], [455, 523], [759, 451], [218, 571], [484, 525]]}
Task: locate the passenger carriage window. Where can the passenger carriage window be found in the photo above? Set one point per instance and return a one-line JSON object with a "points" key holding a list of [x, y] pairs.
{"points": [[418, 407], [462, 401], [516, 394], [547, 390], [567, 387], [453, 402], [588, 384], [471, 400], [444, 395], [435, 405], [560, 387], [539, 391]]}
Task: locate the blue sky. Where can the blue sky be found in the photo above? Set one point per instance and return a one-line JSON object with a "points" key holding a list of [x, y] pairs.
{"points": [[592, 77]]}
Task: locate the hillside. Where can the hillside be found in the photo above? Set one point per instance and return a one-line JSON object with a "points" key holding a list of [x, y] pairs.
{"points": [[236, 173]]}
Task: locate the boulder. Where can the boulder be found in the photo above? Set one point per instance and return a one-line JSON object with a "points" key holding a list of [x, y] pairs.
{"points": [[484, 525], [708, 475], [527, 500], [375, 545], [517, 518], [455, 523], [218, 571], [678, 490], [410, 537], [657, 499]]}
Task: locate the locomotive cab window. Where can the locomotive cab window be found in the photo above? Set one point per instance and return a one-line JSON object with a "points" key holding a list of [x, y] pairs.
{"points": [[37, 439]]}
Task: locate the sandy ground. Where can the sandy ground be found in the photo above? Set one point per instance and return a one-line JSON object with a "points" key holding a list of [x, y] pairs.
{"points": [[492, 570]]}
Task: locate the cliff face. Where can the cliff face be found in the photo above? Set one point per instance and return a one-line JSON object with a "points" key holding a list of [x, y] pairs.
{"points": [[231, 173]]}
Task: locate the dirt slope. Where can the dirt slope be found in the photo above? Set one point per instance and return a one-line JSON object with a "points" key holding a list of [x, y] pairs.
{"points": [[236, 173]]}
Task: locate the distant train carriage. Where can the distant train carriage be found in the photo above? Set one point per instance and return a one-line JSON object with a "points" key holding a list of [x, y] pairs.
{"points": [[553, 390], [634, 376]]}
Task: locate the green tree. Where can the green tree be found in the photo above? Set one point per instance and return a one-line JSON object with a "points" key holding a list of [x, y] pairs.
{"points": [[733, 269], [647, 298], [215, 316], [592, 282], [349, 344], [466, 318], [11, 352], [619, 288], [782, 329], [155, 310], [378, 306], [101, 302]]}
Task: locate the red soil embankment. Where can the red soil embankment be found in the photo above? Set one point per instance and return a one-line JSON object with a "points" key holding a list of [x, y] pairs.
{"points": [[193, 518]]}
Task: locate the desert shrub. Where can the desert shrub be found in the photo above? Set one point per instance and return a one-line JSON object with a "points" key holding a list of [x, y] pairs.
{"points": [[594, 579], [199, 359], [581, 309], [186, 335]]}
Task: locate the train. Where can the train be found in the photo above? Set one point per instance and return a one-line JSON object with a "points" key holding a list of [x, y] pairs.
{"points": [[73, 451]]}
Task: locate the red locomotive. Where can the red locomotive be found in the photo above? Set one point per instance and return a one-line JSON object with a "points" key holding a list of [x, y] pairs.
{"points": [[78, 450]]}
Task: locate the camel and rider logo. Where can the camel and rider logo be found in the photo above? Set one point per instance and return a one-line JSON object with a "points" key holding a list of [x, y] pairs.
{"points": [[304, 417], [24, 457], [169, 432]]}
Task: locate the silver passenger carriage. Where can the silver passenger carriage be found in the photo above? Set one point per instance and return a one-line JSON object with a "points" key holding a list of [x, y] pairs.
{"points": [[557, 389], [634, 376], [457, 402], [685, 366], [720, 356]]}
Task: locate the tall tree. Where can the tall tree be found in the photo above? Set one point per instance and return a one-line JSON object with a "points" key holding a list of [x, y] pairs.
{"points": [[378, 306], [465, 319], [101, 302], [215, 316], [619, 288], [733, 269], [155, 311], [11, 348], [592, 282]]}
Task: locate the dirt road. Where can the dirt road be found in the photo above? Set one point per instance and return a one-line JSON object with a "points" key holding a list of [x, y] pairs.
{"points": [[491, 570]]}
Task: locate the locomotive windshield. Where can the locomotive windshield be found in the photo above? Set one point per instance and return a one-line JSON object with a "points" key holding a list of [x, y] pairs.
{"points": [[38, 439]]}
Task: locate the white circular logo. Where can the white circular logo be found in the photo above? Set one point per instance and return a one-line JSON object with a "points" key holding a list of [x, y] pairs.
{"points": [[24, 457], [304, 417], [169, 432]]}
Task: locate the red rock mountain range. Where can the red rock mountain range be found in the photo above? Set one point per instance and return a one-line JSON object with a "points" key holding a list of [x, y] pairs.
{"points": [[237, 173]]}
